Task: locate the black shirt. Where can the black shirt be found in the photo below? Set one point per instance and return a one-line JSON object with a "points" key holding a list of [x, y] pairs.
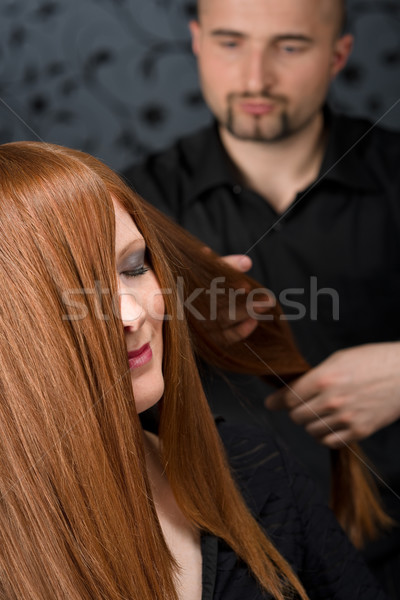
{"points": [[342, 233], [333, 258], [288, 506]]}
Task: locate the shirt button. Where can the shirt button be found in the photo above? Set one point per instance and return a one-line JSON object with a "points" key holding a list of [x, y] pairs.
{"points": [[237, 189], [278, 226]]}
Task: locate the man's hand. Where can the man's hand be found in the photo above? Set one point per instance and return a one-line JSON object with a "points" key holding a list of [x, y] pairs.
{"points": [[349, 396], [244, 325], [240, 262]]}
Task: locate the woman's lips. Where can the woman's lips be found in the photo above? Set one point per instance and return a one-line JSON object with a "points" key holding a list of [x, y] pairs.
{"points": [[141, 356]]}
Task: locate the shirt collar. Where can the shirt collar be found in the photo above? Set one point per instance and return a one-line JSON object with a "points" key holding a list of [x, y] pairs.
{"points": [[343, 161], [211, 166]]}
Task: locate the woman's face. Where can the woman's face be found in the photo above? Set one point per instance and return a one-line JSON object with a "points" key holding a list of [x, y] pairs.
{"points": [[142, 311]]}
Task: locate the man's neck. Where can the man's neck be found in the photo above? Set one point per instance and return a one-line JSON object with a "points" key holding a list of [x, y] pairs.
{"points": [[279, 170]]}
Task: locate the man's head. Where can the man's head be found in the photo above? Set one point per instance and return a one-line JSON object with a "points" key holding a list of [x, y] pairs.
{"points": [[266, 65]]}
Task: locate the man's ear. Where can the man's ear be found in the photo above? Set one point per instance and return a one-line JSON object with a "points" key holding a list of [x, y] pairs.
{"points": [[194, 27], [341, 52]]}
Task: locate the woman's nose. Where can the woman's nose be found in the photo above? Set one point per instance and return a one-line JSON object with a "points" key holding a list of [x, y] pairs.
{"points": [[132, 311]]}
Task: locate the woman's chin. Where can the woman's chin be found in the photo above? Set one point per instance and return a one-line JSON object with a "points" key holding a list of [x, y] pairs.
{"points": [[147, 396]]}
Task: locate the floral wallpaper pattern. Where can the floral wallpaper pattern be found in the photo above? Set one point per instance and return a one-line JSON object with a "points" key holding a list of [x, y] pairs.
{"points": [[116, 77]]}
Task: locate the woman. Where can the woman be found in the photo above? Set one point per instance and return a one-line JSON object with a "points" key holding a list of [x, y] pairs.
{"points": [[93, 332]]}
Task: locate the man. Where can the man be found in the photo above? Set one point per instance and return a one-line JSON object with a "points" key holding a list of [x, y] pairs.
{"points": [[314, 199]]}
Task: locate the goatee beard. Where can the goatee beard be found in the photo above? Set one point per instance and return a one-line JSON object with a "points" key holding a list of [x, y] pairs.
{"points": [[257, 135]]}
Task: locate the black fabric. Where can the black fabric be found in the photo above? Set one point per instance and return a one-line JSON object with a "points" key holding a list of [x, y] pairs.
{"points": [[343, 230], [209, 552], [289, 507], [341, 234]]}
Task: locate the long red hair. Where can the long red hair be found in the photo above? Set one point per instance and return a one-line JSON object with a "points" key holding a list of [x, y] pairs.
{"points": [[76, 516], [270, 352]]}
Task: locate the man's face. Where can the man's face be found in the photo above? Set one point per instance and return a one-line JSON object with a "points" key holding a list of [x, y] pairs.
{"points": [[266, 65]]}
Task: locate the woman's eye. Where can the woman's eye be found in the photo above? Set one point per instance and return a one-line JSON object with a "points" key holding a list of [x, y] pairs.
{"points": [[141, 270]]}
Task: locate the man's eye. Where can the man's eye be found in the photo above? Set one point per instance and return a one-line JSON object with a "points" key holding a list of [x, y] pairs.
{"points": [[291, 49], [136, 272], [229, 44]]}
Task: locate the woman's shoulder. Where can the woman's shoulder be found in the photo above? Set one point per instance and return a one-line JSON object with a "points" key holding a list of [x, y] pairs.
{"points": [[274, 486], [290, 507], [260, 462]]}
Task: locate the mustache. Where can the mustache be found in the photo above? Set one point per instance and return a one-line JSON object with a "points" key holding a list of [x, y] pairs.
{"points": [[262, 95]]}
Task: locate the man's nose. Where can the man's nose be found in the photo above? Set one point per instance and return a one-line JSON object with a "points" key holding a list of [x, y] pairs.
{"points": [[259, 71]]}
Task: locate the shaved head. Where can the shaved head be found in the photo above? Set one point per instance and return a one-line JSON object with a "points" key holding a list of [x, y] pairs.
{"points": [[265, 66], [334, 11], [331, 10]]}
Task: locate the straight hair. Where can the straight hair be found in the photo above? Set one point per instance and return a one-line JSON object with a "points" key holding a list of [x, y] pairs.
{"points": [[270, 352], [77, 519]]}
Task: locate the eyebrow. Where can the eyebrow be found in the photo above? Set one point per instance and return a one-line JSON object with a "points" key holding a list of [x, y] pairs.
{"points": [[135, 244], [227, 32], [297, 37]]}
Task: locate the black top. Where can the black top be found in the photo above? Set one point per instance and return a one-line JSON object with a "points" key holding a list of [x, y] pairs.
{"points": [[342, 233], [333, 255], [289, 508]]}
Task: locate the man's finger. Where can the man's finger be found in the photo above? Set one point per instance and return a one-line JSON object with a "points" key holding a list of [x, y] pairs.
{"points": [[299, 392], [322, 426], [241, 331], [284, 399], [338, 439], [240, 262], [307, 412]]}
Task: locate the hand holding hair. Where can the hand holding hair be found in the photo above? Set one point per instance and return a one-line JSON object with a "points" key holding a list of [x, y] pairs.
{"points": [[348, 397]]}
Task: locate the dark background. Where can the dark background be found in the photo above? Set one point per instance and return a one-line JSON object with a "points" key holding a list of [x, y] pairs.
{"points": [[116, 77]]}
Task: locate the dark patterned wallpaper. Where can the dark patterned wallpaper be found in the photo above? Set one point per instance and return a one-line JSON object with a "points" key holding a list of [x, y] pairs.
{"points": [[117, 79]]}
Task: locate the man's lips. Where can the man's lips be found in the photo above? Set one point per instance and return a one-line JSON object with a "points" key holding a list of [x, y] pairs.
{"points": [[256, 108], [141, 356]]}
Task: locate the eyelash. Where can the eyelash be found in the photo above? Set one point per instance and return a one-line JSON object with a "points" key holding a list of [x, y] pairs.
{"points": [[291, 49], [136, 272], [229, 44]]}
